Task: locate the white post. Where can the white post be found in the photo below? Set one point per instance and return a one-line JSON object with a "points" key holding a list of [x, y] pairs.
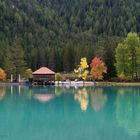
{"points": [[11, 78]]}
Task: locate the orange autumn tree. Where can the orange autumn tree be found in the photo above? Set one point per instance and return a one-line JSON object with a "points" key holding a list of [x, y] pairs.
{"points": [[2, 74], [97, 68]]}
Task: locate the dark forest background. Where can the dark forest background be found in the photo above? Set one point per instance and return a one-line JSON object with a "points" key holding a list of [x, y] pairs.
{"points": [[57, 33]]}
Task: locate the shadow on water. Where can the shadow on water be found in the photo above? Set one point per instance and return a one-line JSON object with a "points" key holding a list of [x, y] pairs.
{"points": [[76, 113]]}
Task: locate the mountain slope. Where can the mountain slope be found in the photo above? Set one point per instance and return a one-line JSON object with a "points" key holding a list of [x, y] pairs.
{"points": [[59, 23], [64, 17]]}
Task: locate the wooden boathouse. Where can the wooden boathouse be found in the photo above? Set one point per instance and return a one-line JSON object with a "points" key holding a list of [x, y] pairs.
{"points": [[44, 76]]}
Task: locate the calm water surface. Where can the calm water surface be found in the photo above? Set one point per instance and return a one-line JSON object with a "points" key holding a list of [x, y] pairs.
{"points": [[55, 113]]}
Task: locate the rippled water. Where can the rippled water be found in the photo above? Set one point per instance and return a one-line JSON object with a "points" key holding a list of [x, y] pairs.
{"points": [[56, 113]]}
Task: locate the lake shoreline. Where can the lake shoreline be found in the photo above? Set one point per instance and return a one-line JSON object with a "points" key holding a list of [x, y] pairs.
{"points": [[81, 83], [118, 83]]}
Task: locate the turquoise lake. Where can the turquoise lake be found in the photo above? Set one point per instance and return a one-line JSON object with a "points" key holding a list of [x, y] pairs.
{"points": [[63, 113]]}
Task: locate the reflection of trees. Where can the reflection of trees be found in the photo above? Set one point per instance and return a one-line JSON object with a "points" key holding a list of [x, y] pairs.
{"points": [[82, 97], [98, 99], [2, 93], [128, 109], [58, 91], [61, 90], [27, 92]]}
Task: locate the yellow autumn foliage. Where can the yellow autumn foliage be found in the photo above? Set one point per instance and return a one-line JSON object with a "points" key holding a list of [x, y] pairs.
{"points": [[82, 69]]}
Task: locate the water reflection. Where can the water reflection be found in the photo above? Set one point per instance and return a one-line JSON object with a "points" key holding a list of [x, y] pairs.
{"points": [[43, 94], [17, 91], [58, 91], [128, 109], [43, 98], [109, 113], [82, 97], [98, 99], [2, 93]]}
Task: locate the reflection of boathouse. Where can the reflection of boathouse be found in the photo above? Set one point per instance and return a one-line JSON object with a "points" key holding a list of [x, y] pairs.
{"points": [[43, 94], [43, 76]]}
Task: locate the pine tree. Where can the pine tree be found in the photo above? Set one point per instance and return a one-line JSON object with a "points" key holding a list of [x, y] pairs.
{"points": [[52, 59], [9, 65], [68, 58], [14, 61]]}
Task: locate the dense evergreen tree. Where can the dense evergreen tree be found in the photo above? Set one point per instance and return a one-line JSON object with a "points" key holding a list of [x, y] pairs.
{"points": [[15, 61], [106, 50], [9, 63], [68, 58]]}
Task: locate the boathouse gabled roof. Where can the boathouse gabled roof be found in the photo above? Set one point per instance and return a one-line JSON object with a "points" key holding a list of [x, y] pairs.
{"points": [[44, 70]]}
